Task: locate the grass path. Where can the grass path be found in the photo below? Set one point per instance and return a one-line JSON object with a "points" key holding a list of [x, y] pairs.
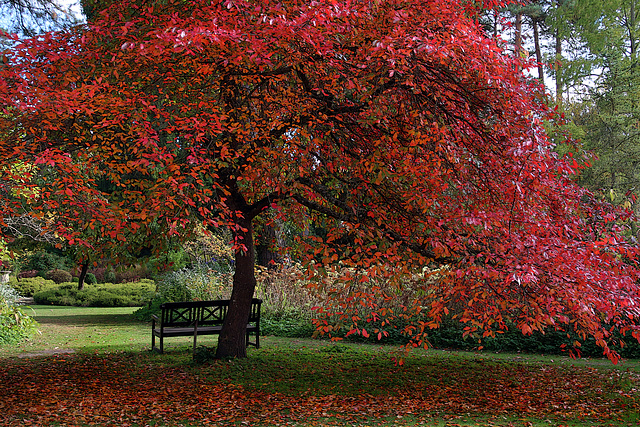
{"points": [[112, 379]]}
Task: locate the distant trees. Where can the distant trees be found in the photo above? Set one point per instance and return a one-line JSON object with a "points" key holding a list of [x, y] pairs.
{"points": [[605, 36], [31, 17]]}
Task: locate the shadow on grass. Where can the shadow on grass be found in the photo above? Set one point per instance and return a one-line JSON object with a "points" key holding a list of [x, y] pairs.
{"points": [[83, 316], [90, 320]]}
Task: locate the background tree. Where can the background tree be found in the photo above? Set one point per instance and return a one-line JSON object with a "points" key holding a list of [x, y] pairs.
{"points": [[605, 71], [31, 17], [398, 125]]}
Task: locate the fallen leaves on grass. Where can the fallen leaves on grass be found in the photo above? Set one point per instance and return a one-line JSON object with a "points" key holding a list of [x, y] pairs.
{"points": [[118, 389]]}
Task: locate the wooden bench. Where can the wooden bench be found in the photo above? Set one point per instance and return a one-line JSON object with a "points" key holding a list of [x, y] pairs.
{"points": [[193, 318]]}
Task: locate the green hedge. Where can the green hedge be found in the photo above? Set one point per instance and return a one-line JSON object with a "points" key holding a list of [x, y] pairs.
{"points": [[103, 295], [28, 286], [290, 327], [449, 336]]}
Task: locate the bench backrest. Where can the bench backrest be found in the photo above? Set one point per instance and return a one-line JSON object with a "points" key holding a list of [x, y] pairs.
{"points": [[207, 313]]}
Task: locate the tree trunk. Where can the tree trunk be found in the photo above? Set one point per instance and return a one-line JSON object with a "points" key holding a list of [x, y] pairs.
{"points": [[557, 64], [536, 40], [83, 274], [517, 50], [266, 255], [231, 343]]}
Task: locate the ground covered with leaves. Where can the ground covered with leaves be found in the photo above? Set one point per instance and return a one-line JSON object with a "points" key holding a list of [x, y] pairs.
{"points": [[327, 385]]}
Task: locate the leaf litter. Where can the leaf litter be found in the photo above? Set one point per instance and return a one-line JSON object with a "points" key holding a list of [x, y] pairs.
{"points": [[117, 389]]}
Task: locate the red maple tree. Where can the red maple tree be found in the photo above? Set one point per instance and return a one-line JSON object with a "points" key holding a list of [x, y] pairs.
{"points": [[398, 124]]}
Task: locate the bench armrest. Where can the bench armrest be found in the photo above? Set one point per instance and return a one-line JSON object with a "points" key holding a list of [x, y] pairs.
{"points": [[154, 319]]}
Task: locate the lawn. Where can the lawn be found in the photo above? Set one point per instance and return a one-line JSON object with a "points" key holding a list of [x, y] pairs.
{"points": [[92, 366]]}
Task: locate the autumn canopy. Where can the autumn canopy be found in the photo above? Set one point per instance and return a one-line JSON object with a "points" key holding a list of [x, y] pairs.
{"points": [[398, 125]]}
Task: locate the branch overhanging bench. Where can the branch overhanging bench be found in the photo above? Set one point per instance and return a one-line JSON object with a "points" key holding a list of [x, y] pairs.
{"points": [[193, 318]]}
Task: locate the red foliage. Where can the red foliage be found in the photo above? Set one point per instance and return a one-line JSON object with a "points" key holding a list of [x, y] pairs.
{"points": [[113, 391], [398, 124]]}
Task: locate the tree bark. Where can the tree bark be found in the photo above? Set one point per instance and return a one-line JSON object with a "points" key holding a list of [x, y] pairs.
{"points": [[266, 255], [557, 64], [231, 343], [536, 40], [517, 50], [83, 275]]}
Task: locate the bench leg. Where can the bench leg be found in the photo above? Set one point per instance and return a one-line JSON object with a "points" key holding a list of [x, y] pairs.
{"points": [[195, 338], [255, 344]]}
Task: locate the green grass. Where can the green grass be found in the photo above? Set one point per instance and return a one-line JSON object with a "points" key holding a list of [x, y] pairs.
{"points": [[83, 329], [295, 382]]}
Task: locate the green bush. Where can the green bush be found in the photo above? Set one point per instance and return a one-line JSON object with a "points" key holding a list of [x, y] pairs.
{"points": [[110, 276], [90, 279], [200, 283], [170, 260], [104, 295], [449, 336], [8, 294], [290, 326], [28, 286], [45, 261], [59, 276], [15, 324]]}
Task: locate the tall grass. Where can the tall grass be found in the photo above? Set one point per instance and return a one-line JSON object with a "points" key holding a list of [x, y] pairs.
{"points": [[284, 292]]}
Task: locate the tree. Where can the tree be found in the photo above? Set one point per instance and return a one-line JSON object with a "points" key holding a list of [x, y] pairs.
{"points": [[397, 125], [608, 36], [31, 17]]}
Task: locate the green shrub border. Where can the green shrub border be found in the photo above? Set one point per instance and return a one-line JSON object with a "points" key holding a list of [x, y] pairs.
{"points": [[102, 295]]}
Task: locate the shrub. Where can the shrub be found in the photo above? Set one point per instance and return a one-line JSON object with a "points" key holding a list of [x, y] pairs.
{"points": [[90, 279], [284, 294], [8, 294], [98, 273], [15, 325], [133, 274], [27, 274], [30, 285], [106, 295], [59, 276], [110, 277], [45, 261], [290, 326], [200, 283], [171, 260]]}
